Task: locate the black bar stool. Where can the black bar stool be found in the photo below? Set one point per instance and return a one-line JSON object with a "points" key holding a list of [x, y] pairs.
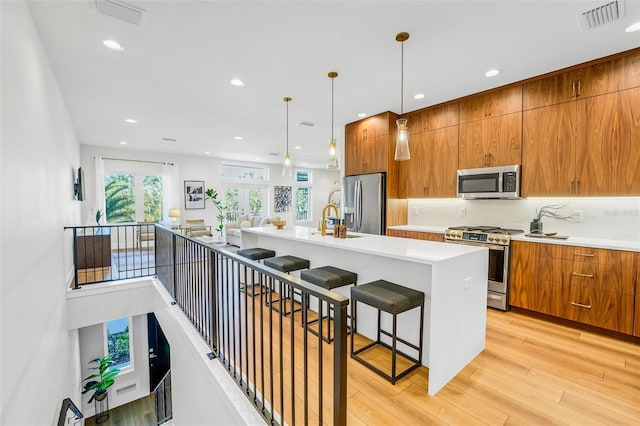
{"points": [[327, 277], [257, 254], [393, 299], [286, 264]]}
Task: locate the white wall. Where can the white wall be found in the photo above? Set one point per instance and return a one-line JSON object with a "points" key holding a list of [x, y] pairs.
{"points": [[39, 357], [606, 217], [205, 169]]}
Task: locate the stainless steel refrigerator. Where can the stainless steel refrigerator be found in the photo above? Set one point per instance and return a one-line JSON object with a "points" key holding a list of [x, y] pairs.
{"points": [[364, 203]]}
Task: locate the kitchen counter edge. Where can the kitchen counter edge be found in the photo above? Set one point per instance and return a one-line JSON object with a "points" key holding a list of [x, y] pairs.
{"points": [[583, 242]]}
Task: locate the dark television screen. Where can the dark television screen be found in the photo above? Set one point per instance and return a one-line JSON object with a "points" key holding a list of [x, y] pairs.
{"points": [[79, 185]]}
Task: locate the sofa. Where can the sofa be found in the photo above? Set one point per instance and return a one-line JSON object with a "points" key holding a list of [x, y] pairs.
{"points": [[234, 229]]}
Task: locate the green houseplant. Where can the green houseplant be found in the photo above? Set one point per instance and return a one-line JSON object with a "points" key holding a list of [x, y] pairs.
{"points": [[213, 196], [102, 379]]}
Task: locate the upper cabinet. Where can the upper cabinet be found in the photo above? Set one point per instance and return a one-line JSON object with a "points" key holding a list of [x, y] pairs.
{"points": [[491, 129], [582, 141], [431, 172], [593, 80]]}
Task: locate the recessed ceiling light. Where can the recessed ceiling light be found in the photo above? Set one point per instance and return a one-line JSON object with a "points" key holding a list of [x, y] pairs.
{"points": [[362, 114], [238, 138], [237, 82], [123, 142], [131, 120], [112, 44], [492, 73], [207, 152], [633, 28], [418, 96], [297, 147]]}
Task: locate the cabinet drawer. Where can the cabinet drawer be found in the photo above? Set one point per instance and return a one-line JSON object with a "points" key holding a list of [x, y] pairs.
{"points": [[587, 254], [604, 309], [596, 276]]}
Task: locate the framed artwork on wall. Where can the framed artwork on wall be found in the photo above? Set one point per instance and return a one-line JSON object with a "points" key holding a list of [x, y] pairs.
{"points": [[193, 194], [282, 198]]}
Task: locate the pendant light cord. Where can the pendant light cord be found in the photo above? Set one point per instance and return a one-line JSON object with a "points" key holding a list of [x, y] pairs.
{"points": [[401, 77], [332, 108], [287, 127]]}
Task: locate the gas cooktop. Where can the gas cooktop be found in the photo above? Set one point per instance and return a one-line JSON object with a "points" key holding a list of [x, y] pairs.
{"points": [[489, 234]]}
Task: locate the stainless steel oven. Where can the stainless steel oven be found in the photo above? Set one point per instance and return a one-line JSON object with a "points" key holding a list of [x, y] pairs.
{"points": [[497, 240]]}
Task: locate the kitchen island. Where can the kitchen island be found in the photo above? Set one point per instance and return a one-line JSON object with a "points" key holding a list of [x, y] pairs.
{"points": [[453, 278]]}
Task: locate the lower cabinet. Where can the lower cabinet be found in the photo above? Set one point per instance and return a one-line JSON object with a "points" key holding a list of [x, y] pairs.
{"points": [[587, 285], [416, 235]]}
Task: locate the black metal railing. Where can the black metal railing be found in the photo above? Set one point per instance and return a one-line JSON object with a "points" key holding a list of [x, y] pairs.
{"points": [[162, 396], [112, 252], [290, 375], [69, 413]]}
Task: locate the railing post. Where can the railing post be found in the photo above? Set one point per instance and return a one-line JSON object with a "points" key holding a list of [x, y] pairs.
{"points": [[213, 303], [75, 259], [173, 261], [340, 365]]}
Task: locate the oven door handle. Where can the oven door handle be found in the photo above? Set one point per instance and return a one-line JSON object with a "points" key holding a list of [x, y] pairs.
{"points": [[468, 243]]}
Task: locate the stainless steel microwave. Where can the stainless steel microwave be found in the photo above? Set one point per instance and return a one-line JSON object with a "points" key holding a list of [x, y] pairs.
{"points": [[489, 183]]}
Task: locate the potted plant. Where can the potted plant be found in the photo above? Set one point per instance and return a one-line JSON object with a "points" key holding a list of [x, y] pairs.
{"points": [[212, 195], [99, 382], [549, 210]]}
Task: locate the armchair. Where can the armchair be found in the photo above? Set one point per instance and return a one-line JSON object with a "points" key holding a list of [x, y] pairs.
{"points": [[196, 228]]}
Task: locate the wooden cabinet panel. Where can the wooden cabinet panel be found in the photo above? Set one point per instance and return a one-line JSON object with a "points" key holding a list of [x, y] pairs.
{"points": [[492, 104], [605, 309], [471, 144], [548, 91], [548, 151], [431, 172], [553, 287], [608, 152], [636, 314], [523, 275], [505, 140], [496, 141], [416, 235], [442, 116], [620, 258], [94, 251], [631, 72], [416, 123]]}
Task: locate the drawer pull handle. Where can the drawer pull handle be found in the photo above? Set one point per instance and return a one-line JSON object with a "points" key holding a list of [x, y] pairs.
{"points": [[580, 305], [584, 254], [577, 274]]}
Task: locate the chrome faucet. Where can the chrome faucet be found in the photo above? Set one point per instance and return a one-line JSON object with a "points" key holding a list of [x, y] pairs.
{"points": [[323, 226]]}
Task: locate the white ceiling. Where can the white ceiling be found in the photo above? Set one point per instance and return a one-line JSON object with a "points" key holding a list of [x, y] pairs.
{"points": [[173, 76]]}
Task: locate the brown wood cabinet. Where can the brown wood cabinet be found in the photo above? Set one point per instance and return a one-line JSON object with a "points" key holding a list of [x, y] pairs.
{"points": [[491, 104], [636, 328], [587, 285], [431, 172], [605, 77], [94, 251], [495, 141], [586, 148], [370, 144], [416, 235]]}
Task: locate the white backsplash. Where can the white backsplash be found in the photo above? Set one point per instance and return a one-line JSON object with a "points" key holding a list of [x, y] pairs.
{"points": [[611, 218]]}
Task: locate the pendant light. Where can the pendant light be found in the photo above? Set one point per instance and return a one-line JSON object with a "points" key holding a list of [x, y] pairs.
{"points": [[402, 140], [333, 156], [286, 169]]}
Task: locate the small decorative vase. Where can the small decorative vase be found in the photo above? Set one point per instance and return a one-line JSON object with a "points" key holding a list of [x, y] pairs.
{"points": [[535, 226], [102, 407]]}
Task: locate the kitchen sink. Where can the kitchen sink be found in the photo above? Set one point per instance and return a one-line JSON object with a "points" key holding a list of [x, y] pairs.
{"points": [[330, 235]]}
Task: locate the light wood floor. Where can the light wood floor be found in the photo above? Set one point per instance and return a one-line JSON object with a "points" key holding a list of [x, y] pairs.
{"points": [[137, 413]]}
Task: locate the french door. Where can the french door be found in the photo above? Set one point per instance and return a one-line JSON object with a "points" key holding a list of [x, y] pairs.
{"points": [[244, 199]]}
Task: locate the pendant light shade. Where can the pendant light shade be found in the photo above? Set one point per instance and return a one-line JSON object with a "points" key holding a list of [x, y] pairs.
{"points": [[333, 155], [286, 168], [402, 139]]}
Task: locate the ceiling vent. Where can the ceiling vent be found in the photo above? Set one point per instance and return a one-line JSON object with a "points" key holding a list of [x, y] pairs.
{"points": [[120, 10], [601, 15]]}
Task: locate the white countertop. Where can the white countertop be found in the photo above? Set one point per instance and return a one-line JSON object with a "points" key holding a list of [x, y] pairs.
{"points": [[420, 228], [428, 252], [584, 242]]}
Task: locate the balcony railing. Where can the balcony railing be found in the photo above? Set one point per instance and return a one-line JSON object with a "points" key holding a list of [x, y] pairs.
{"points": [[112, 252], [162, 394], [290, 375]]}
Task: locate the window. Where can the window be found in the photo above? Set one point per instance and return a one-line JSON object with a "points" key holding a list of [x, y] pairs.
{"points": [[303, 204], [119, 342], [242, 199], [303, 176], [130, 198]]}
